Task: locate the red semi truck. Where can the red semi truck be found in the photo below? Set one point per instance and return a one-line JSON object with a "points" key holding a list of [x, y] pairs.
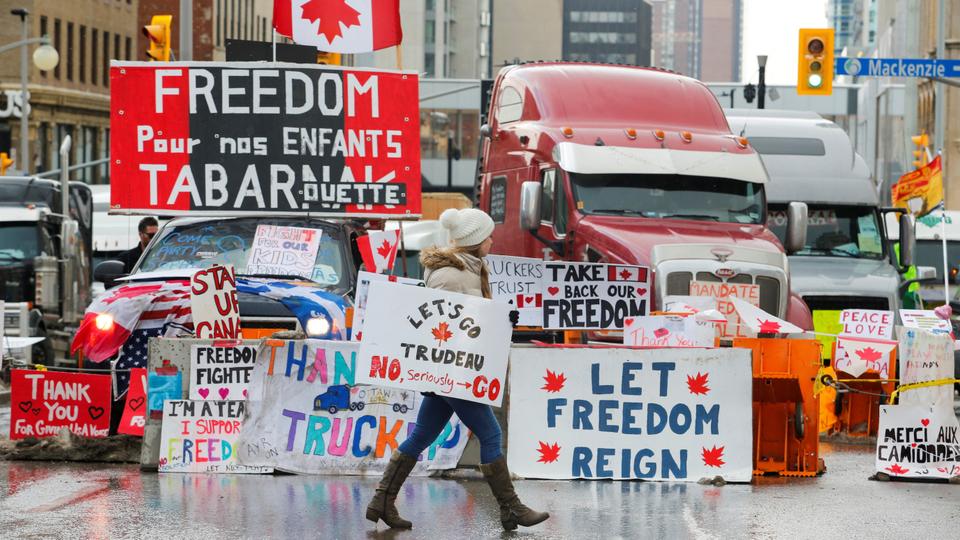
{"points": [[627, 165]]}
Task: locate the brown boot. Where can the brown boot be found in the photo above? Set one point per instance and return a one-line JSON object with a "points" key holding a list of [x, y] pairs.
{"points": [[382, 505], [512, 511]]}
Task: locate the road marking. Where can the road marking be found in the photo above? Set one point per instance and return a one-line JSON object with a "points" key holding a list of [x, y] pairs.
{"points": [[693, 527]]}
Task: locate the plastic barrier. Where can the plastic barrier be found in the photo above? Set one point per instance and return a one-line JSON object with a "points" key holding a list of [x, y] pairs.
{"points": [[857, 408], [785, 411]]}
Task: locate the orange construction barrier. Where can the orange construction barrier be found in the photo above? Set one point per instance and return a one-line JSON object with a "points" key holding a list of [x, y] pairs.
{"points": [[785, 411], [858, 414]]}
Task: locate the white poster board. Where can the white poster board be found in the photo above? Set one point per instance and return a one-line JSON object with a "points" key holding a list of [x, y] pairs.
{"points": [[306, 415], [924, 319], [723, 292], [364, 279], [221, 371], [518, 281], [201, 436], [666, 414], [866, 323], [430, 340], [593, 296], [918, 442], [281, 250], [925, 357], [669, 331], [213, 301]]}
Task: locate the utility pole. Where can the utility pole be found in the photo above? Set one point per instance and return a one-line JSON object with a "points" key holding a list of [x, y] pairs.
{"points": [[941, 95], [23, 153], [185, 52], [762, 85]]}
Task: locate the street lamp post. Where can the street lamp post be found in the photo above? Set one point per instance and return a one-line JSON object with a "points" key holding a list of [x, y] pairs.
{"points": [[762, 85], [23, 154]]}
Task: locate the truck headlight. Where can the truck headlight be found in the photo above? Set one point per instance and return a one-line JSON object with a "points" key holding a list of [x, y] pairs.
{"points": [[318, 326], [104, 322]]}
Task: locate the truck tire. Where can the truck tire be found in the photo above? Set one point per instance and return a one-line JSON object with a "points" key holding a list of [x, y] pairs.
{"points": [[396, 407], [332, 409], [404, 409], [360, 405], [798, 421], [353, 406]]}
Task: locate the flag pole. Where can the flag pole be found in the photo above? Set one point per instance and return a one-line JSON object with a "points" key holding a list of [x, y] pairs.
{"points": [[399, 56], [943, 237]]}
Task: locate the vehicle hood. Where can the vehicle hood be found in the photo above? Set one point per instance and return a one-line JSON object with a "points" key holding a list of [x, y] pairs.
{"points": [[826, 276], [630, 239]]}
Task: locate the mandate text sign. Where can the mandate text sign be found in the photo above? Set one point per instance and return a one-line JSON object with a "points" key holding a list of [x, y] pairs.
{"points": [[226, 139]]}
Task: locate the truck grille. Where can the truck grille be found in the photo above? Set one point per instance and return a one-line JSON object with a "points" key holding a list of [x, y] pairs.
{"points": [[846, 302], [678, 283]]}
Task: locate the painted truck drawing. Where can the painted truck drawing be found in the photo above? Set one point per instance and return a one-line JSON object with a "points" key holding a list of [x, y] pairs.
{"points": [[335, 399], [343, 397]]}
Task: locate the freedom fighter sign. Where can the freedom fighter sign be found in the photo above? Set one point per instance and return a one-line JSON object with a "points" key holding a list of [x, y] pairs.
{"points": [[593, 296], [657, 414], [226, 139]]}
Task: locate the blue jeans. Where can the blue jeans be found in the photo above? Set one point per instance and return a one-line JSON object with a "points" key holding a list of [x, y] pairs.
{"points": [[434, 413]]}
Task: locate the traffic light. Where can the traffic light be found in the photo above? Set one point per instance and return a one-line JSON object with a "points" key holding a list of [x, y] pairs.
{"points": [[330, 59], [815, 62], [158, 32], [920, 152], [5, 162]]}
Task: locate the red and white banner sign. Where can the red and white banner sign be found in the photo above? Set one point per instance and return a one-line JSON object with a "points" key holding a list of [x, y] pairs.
{"points": [[379, 250], [856, 356], [227, 139], [44, 402], [135, 408], [761, 322], [344, 26], [213, 300]]}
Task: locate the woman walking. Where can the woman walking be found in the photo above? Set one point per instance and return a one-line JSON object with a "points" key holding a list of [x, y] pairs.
{"points": [[459, 269]]}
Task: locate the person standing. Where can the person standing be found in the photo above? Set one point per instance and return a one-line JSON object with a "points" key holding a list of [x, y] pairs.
{"points": [[460, 269], [146, 229]]}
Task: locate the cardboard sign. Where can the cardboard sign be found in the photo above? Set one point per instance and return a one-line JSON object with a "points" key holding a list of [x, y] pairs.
{"points": [[435, 341], [723, 292], [200, 436], [858, 356], [221, 371], [666, 414], [918, 442], [593, 296], [364, 279], [135, 406], [688, 304], [518, 281], [668, 331], [228, 139], [306, 415], [213, 301], [925, 319], [285, 251], [925, 357], [868, 323], [44, 402]]}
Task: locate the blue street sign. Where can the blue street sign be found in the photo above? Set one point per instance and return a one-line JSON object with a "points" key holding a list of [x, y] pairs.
{"points": [[897, 67]]}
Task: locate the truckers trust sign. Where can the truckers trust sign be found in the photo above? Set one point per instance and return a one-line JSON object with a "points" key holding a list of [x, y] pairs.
{"points": [[231, 138]]}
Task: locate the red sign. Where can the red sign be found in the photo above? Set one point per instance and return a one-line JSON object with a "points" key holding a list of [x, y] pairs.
{"points": [[44, 402], [135, 408], [225, 139]]}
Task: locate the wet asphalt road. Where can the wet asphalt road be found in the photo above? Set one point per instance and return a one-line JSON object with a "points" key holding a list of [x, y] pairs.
{"points": [[55, 500]]}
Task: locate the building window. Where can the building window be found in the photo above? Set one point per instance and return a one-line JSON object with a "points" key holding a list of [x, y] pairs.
{"points": [[105, 153], [263, 26], [232, 29], [106, 58], [82, 55], [56, 45], [428, 64], [127, 47], [69, 51], [43, 147], [43, 32], [62, 131], [116, 47], [219, 18], [94, 49]]}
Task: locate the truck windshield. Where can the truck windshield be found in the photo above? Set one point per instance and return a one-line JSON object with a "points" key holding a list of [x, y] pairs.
{"points": [[18, 243], [201, 245], [835, 231], [669, 196]]}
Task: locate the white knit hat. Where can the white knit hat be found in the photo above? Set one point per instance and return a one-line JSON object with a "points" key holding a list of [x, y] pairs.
{"points": [[468, 226]]}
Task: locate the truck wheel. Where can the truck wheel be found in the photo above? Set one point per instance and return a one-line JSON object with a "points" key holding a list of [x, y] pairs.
{"points": [[404, 409], [353, 406], [361, 405], [396, 407], [332, 409], [798, 421]]}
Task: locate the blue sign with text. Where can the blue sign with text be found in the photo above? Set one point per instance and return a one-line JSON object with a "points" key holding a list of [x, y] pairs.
{"points": [[897, 67]]}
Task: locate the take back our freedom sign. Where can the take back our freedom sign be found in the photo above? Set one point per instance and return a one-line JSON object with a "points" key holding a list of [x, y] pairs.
{"points": [[225, 139], [593, 296]]}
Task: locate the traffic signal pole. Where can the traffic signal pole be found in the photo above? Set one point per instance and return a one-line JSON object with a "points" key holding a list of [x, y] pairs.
{"points": [[185, 52]]}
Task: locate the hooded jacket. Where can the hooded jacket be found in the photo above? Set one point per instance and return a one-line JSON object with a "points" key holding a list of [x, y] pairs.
{"points": [[452, 271]]}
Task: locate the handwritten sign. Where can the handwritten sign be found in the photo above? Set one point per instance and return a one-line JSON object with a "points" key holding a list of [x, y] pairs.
{"points": [[213, 300], [723, 292], [221, 372], [918, 442], [924, 319], [135, 405], [200, 436], [665, 414], [285, 251], [593, 296], [668, 331], [306, 415], [925, 357], [518, 281], [364, 279], [869, 323], [44, 402], [435, 341]]}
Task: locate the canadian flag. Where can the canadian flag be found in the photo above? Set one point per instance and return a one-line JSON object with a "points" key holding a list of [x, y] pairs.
{"points": [[342, 26], [626, 273], [379, 250], [529, 300], [760, 321], [864, 354]]}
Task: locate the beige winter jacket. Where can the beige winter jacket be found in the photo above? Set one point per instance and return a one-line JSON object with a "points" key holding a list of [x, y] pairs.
{"points": [[452, 271]]}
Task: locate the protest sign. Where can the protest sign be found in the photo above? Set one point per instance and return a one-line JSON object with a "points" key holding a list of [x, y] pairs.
{"points": [[213, 302], [918, 442], [201, 436], [364, 279], [162, 387], [857, 356], [925, 319], [761, 322], [135, 406], [668, 331], [284, 251], [431, 340], [219, 139], [688, 304], [925, 357], [593, 296], [44, 402], [868, 323], [221, 371], [518, 281], [378, 249], [723, 292], [306, 415], [666, 414]]}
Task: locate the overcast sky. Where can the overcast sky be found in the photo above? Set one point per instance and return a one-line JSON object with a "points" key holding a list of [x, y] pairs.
{"points": [[770, 27]]}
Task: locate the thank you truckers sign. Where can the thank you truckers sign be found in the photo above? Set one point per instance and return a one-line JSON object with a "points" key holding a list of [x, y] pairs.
{"points": [[234, 138]]}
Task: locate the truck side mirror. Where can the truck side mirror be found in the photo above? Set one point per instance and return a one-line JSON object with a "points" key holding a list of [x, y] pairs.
{"points": [[796, 237], [530, 193], [908, 241], [108, 272]]}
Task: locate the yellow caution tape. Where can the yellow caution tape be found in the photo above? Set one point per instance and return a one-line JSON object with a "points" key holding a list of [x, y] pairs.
{"points": [[922, 384]]}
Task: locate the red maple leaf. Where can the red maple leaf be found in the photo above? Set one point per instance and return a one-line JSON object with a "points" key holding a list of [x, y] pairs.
{"points": [[331, 14], [698, 384], [554, 381], [384, 249], [132, 291], [441, 333], [869, 354], [624, 273], [713, 457], [548, 453], [897, 469], [769, 327]]}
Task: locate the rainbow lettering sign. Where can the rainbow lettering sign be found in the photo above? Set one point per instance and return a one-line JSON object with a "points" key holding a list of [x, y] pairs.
{"points": [[200, 436]]}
